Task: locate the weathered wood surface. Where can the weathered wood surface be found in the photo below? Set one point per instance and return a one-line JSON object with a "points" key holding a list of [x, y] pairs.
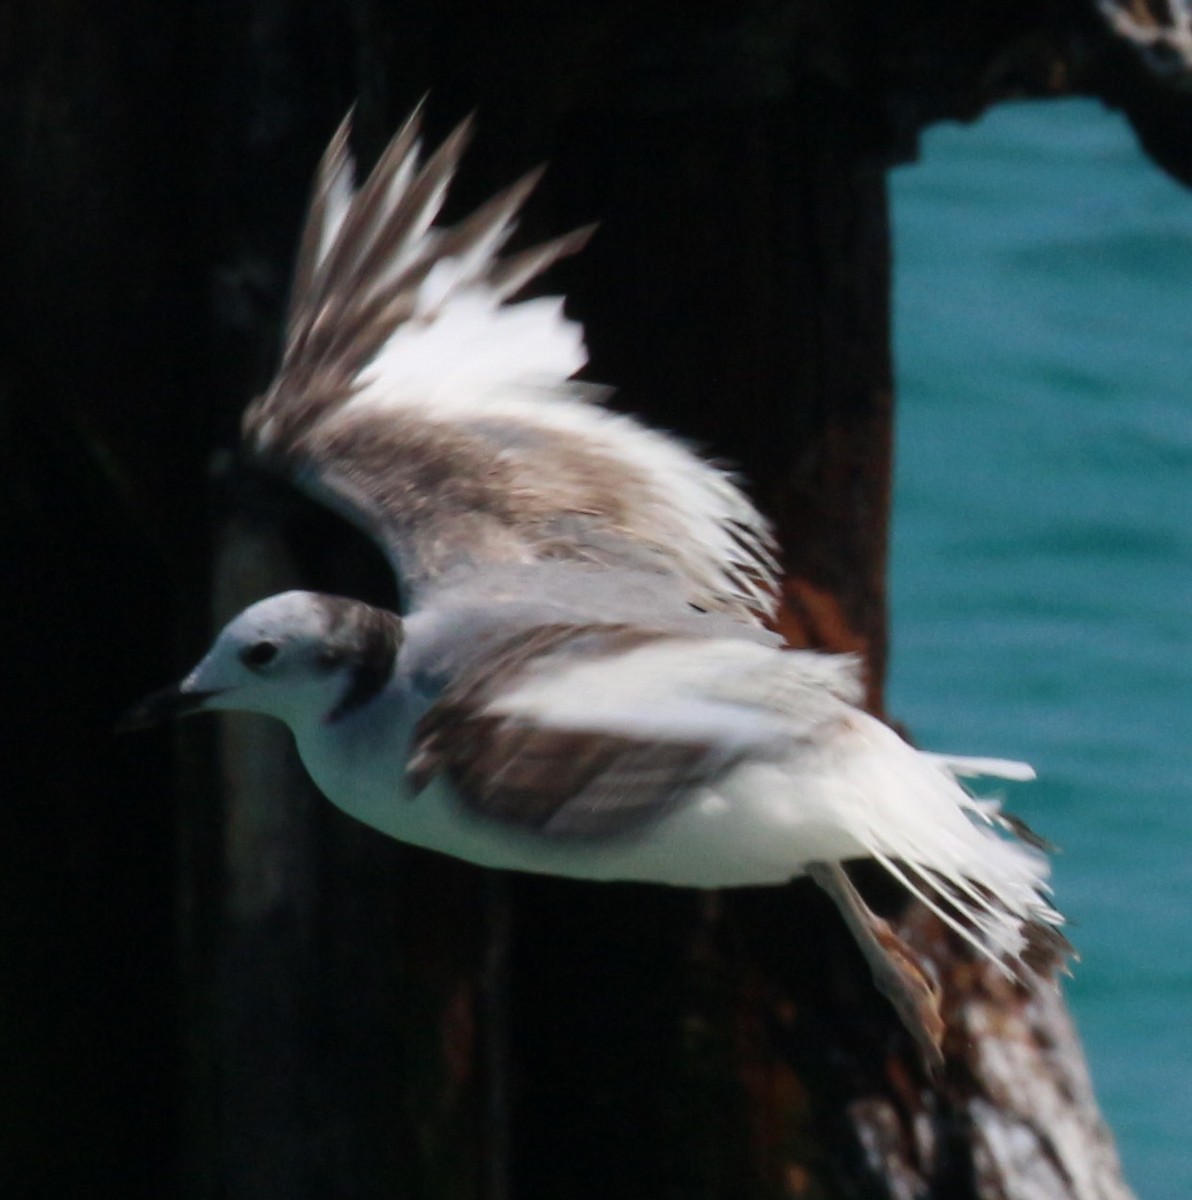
{"points": [[355, 1018]]}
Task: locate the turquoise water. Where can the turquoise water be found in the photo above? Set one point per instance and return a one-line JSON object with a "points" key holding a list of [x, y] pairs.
{"points": [[1042, 570]]}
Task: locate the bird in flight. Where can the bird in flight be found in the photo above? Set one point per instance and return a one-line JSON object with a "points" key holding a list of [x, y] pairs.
{"points": [[582, 680]]}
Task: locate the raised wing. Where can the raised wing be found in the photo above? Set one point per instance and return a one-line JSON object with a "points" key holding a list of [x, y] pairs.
{"points": [[416, 398]]}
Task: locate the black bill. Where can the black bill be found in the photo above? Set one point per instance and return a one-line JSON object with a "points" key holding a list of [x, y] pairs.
{"points": [[166, 705]]}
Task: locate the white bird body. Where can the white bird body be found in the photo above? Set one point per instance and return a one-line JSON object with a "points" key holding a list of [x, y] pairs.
{"points": [[746, 829], [761, 825], [582, 683], [777, 767]]}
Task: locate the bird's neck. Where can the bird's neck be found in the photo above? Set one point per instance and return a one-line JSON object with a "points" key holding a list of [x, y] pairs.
{"points": [[360, 647]]}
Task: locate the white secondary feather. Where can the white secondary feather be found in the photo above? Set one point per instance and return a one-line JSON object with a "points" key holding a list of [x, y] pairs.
{"points": [[465, 348]]}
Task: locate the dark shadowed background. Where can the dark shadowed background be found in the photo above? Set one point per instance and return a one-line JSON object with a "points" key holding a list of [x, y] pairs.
{"points": [[211, 984]]}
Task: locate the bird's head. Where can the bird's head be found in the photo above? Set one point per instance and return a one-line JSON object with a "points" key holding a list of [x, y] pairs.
{"points": [[297, 656]]}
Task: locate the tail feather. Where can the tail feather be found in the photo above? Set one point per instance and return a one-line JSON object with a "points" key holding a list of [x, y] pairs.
{"points": [[968, 767], [979, 871], [992, 933]]}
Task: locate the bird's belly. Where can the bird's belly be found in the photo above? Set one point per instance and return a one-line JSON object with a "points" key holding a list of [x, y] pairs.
{"points": [[739, 836]]}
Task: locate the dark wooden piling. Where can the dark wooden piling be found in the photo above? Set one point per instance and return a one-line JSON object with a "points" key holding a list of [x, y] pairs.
{"points": [[215, 985]]}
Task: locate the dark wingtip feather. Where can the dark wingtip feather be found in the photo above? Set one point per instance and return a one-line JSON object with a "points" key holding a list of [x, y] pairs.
{"points": [[333, 160], [1024, 833], [341, 312], [1046, 949], [511, 274]]}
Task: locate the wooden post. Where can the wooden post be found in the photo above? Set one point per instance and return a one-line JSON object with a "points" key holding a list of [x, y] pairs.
{"points": [[359, 1018]]}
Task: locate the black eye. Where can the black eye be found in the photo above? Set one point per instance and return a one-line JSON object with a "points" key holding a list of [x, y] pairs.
{"points": [[259, 655]]}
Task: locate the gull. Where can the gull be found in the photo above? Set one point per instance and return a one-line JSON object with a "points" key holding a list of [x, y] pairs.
{"points": [[582, 680]]}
